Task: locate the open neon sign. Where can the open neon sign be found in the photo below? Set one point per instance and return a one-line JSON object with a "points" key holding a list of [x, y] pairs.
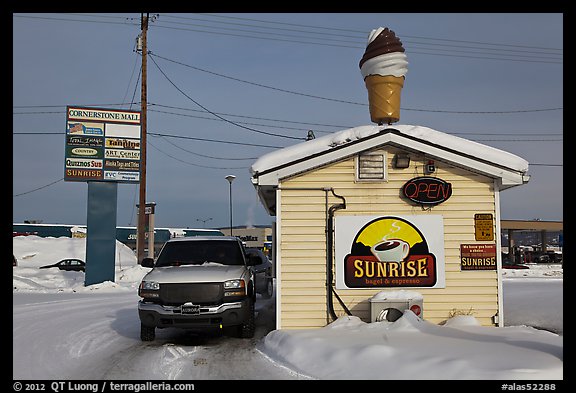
{"points": [[427, 190]]}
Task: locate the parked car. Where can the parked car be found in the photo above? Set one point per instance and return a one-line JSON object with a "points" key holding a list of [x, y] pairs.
{"points": [[540, 257], [263, 273], [68, 264], [555, 257]]}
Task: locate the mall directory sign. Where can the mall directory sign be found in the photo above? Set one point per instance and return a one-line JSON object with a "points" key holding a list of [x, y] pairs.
{"points": [[102, 145]]}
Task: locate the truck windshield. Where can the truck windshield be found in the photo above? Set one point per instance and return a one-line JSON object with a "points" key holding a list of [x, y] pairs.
{"points": [[198, 252]]}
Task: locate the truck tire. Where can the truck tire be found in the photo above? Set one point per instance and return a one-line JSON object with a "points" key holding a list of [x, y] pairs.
{"points": [[246, 330], [267, 294], [147, 333]]}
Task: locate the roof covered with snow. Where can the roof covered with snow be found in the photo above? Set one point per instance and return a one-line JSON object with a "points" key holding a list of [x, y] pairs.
{"points": [[340, 138], [509, 169]]}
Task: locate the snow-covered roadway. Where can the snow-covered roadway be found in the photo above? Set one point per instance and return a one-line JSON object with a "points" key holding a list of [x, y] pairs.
{"points": [[71, 336]]}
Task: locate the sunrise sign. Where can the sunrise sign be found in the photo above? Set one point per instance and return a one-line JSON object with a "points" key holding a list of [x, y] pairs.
{"points": [[389, 252]]}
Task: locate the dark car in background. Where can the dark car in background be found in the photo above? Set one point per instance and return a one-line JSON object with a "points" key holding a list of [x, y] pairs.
{"points": [[68, 264], [539, 257], [507, 264], [263, 273], [555, 257]]}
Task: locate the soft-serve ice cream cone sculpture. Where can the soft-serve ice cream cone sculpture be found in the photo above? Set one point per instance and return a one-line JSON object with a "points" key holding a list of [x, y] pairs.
{"points": [[384, 67]]}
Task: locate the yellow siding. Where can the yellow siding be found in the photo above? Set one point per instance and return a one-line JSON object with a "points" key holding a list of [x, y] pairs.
{"points": [[302, 246]]}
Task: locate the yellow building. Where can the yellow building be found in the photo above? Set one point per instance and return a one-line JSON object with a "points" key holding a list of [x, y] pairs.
{"points": [[386, 210]]}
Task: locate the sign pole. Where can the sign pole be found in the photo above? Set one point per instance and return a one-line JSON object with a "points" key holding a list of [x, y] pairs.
{"points": [[101, 232]]}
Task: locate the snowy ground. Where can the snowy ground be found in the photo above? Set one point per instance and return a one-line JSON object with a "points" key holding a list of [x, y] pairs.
{"points": [[63, 330]]}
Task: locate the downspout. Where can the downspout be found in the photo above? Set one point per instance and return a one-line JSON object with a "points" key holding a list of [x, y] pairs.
{"points": [[329, 256], [329, 243]]}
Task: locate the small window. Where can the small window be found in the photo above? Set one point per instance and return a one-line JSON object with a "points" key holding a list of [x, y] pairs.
{"points": [[371, 167]]}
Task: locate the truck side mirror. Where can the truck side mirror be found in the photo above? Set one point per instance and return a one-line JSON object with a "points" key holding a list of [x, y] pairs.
{"points": [[147, 262]]}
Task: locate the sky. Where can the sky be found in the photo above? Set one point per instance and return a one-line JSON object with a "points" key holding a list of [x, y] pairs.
{"points": [[225, 89], [63, 330]]}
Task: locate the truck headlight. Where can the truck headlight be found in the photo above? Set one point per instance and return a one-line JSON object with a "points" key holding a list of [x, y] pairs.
{"points": [[149, 289], [234, 288], [234, 284], [150, 285]]}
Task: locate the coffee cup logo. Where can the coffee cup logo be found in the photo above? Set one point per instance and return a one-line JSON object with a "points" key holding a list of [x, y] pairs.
{"points": [[391, 250]]}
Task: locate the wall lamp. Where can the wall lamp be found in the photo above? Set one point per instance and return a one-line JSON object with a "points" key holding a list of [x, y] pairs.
{"points": [[401, 161]]}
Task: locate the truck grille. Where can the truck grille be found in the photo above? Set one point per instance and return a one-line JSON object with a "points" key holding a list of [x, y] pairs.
{"points": [[202, 293]]}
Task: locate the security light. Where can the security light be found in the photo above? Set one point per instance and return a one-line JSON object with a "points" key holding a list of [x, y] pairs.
{"points": [[401, 161]]}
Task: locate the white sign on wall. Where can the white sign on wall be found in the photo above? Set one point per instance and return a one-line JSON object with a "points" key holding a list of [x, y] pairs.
{"points": [[389, 251]]}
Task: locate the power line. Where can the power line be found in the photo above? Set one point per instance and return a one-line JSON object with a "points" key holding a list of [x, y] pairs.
{"points": [[257, 118], [216, 140], [216, 115], [361, 46], [136, 87], [273, 32], [339, 127], [74, 20], [275, 27], [257, 84], [311, 125], [547, 139], [211, 167], [241, 122], [130, 81], [360, 36], [532, 54], [276, 23], [493, 49], [207, 156], [64, 106], [37, 189], [344, 101], [191, 163]]}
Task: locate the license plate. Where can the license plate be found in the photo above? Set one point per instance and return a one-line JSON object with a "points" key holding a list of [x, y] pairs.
{"points": [[191, 309]]}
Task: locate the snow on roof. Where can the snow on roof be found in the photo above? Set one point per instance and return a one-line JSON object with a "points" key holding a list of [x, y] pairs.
{"points": [[315, 146]]}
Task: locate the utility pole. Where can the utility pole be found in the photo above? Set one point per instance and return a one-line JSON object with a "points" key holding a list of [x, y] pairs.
{"points": [[142, 197]]}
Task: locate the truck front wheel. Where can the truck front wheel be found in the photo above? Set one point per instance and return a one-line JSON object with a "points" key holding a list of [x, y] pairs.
{"points": [[246, 330], [147, 333]]}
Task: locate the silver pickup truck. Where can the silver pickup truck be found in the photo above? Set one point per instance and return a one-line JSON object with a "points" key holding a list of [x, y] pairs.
{"points": [[198, 283]]}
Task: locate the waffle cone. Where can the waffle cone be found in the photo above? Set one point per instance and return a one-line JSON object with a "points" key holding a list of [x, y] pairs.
{"points": [[384, 97]]}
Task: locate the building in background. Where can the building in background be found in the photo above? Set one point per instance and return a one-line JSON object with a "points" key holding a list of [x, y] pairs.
{"points": [[254, 236]]}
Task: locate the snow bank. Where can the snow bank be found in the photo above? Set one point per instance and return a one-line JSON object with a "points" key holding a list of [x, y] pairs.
{"points": [[32, 252], [413, 349]]}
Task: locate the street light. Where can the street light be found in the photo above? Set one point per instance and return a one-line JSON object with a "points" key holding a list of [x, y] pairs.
{"points": [[230, 179], [204, 221]]}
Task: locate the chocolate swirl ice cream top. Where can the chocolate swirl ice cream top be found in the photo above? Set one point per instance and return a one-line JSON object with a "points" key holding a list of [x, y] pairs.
{"points": [[380, 42], [384, 54]]}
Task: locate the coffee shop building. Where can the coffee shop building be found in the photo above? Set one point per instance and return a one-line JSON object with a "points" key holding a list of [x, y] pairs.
{"points": [[379, 215]]}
